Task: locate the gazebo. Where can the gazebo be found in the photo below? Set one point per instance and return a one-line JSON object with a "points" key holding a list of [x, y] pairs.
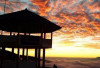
{"points": [[25, 23]]}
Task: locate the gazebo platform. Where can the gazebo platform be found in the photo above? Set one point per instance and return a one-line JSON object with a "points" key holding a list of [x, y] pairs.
{"points": [[25, 24]]}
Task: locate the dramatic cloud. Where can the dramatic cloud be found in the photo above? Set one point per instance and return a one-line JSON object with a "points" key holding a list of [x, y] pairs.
{"points": [[78, 18]]}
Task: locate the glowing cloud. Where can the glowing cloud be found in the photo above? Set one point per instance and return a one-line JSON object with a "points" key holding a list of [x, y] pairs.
{"points": [[79, 19]]}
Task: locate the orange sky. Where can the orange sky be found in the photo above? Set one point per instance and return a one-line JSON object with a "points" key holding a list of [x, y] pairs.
{"points": [[79, 19]]}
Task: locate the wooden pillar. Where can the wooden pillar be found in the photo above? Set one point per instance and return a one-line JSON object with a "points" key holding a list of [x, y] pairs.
{"points": [[1, 63], [43, 64], [39, 51], [23, 54], [18, 45], [24, 33], [3, 51], [1, 32], [10, 33], [3, 56], [44, 35], [51, 39], [18, 57], [36, 56], [12, 50], [36, 53], [27, 53], [12, 47], [3, 48], [29, 34], [18, 53], [51, 35]]}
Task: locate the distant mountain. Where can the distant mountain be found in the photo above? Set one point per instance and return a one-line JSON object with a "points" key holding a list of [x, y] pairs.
{"points": [[98, 58]]}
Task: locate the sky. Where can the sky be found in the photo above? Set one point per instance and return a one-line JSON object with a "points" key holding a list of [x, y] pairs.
{"points": [[79, 19]]}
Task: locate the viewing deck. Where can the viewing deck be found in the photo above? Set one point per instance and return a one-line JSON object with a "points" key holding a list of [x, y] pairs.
{"points": [[23, 41]]}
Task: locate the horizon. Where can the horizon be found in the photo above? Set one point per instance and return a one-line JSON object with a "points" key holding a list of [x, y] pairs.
{"points": [[79, 19]]}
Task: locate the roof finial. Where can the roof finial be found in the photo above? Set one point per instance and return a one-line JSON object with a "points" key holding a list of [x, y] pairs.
{"points": [[26, 9]]}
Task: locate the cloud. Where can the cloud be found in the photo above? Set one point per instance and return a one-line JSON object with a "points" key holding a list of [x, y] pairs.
{"points": [[74, 63], [78, 18], [93, 45], [64, 43]]}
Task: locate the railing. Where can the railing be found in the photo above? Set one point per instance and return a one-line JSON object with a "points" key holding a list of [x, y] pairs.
{"points": [[25, 41], [47, 43]]}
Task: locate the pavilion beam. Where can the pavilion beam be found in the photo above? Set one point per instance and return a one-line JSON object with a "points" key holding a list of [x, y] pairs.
{"points": [[43, 64]]}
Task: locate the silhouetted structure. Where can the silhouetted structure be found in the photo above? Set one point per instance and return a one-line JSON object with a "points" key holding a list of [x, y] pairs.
{"points": [[25, 23], [54, 66]]}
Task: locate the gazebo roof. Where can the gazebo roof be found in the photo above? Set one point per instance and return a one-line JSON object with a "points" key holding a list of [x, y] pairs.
{"points": [[25, 21]]}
